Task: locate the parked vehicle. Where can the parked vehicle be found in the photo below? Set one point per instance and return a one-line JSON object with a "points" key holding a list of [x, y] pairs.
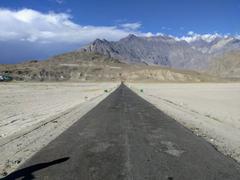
{"points": [[5, 78]]}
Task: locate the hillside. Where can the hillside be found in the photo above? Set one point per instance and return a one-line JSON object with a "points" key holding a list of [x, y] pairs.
{"points": [[137, 58], [227, 65], [88, 66]]}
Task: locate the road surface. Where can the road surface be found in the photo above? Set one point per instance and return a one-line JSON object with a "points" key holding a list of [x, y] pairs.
{"points": [[125, 137]]}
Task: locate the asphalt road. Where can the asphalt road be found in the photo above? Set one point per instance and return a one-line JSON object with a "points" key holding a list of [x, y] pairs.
{"points": [[125, 137]]}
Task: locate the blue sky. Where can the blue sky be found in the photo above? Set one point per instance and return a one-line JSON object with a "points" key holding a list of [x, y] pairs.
{"points": [[38, 29]]}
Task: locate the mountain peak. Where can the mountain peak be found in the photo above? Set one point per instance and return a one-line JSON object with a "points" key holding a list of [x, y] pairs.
{"points": [[166, 50], [130, 37], [97, 41], [100, 42]]}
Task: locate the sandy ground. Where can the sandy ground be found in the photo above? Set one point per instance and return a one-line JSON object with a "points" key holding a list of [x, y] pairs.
{"points": [[33, 114], [209, 110]]}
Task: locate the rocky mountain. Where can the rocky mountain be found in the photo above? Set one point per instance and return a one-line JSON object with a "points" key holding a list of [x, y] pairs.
{"points": [[168, 51], [227, 65], [89, 66], [160, 50], [216, 45]]}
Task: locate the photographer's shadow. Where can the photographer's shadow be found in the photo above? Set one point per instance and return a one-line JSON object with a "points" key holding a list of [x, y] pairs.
{"points": [[27, 173]]}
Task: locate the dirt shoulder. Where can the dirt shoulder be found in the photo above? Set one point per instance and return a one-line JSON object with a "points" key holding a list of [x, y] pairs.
{"points": [[19, 144]]}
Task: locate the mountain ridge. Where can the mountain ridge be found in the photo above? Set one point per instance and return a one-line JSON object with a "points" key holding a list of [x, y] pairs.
{"points": [[166, 50]]}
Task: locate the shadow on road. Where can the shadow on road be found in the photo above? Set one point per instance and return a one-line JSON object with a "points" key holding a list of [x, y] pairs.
{"points": [[26, 173]]}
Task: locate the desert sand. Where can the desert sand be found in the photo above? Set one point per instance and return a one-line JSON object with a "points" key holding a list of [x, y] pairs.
{"points": [[33, 114], [210, 110]]}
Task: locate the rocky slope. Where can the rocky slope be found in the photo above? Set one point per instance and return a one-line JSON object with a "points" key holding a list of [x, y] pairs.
{"points": [[89, 66], [160, 50], [227, 65], [168, 51]]}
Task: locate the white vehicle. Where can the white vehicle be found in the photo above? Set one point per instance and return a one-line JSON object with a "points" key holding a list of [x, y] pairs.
{"points": [[1, 78], [5, 78]]}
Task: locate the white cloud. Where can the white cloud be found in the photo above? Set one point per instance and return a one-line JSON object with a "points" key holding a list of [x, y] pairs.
{"points": [[34, 26], [159, 34], [192, 36], [190, 33], [131, 26], [148, 34], [60, 1]]}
